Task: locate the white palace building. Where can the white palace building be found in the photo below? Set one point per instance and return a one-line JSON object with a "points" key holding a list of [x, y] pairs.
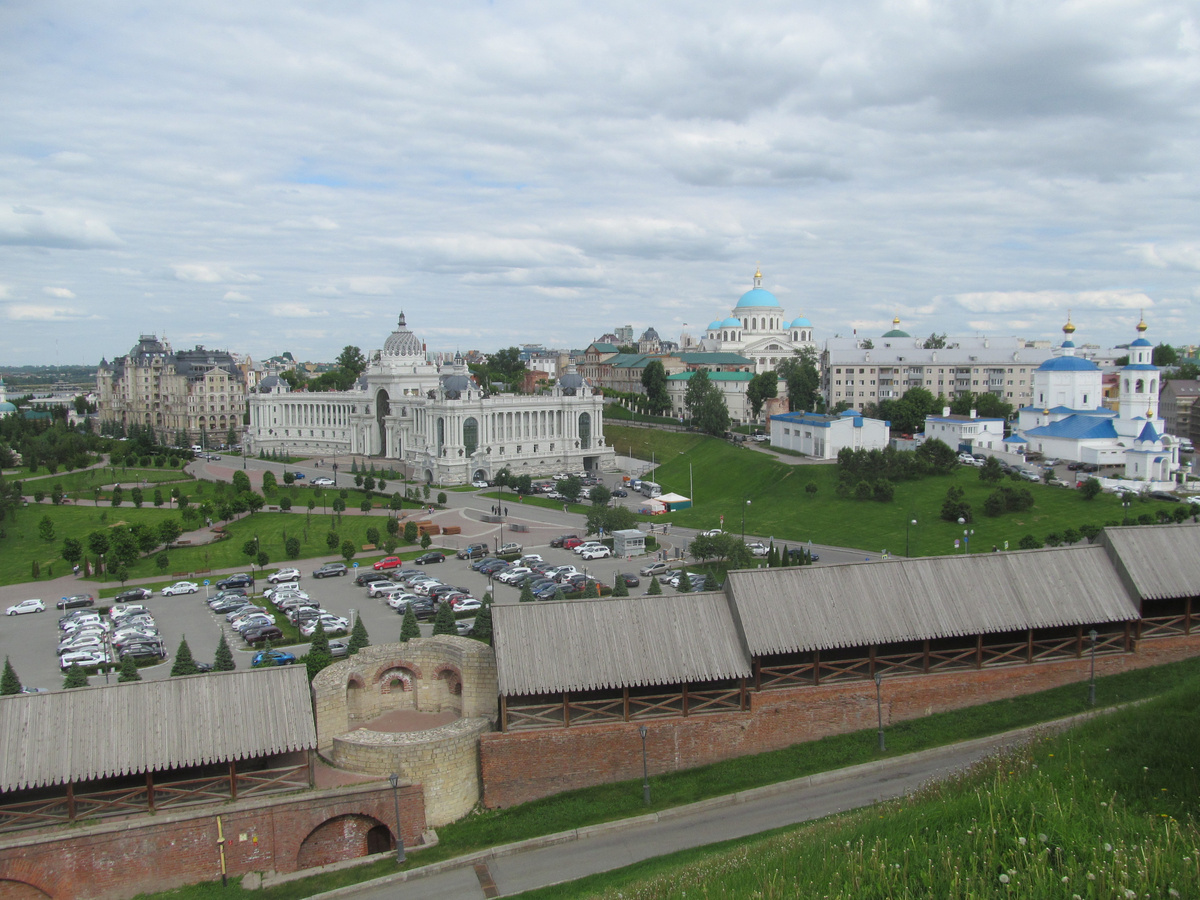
{"points": [[436, 422]]}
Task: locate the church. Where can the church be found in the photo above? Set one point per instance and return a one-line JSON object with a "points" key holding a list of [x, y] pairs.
{"points": [[436, 421], [758, 330], [1068, 420]]}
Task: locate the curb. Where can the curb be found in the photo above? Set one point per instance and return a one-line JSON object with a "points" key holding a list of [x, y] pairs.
{"points": [[1000, 740]]}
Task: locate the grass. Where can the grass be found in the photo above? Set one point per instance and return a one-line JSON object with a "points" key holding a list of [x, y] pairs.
{"points": [[1105, 810], [610, 802], [780, 506], [83, 481]]}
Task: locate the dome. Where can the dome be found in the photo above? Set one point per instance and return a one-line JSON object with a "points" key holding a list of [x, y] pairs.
{"points": [[402, 342], [455, 384], [714, 325], [1067, 364], [6, 408], [800, 323], [757, 297], [896, 332], [731, 322], [1140, 342]]}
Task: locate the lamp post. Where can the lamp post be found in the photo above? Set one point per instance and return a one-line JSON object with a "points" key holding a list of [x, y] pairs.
{"points": [[907, 528], [645, 768], [879, 708], [1093, 634], [394, 780], [745, 503], [967, 532], [335, 467], [1125, 504]]}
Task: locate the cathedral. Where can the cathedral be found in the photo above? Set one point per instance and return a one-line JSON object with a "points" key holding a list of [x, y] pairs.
{"points": [[757, 329]]}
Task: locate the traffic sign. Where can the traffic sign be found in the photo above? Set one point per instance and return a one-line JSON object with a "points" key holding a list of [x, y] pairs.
{"points": [[356, 565], [206, 582]]}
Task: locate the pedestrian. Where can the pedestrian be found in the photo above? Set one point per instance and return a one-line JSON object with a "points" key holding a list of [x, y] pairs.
{"points": [[506, 512], [564, 507]]}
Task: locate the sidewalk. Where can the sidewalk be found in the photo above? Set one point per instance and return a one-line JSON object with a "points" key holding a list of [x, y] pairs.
{"points": [[567, 856]]}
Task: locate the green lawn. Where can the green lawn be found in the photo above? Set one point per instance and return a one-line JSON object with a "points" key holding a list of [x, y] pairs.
{"points": [[723, 475], [84, 481]]}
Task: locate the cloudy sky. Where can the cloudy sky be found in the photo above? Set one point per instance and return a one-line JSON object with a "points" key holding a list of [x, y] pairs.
{"points": [[266, 176]]}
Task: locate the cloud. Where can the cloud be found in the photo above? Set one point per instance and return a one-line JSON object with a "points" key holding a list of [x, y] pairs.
{"points": [[371, 285], [236, 296], [60, 293], [296, 311], [65, 229], [26, 313], [1168, 256], [1041, 301], [206, 273]]}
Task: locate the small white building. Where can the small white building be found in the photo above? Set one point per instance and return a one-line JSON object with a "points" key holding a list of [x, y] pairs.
{"points": [[823, 436], [968, 433]]}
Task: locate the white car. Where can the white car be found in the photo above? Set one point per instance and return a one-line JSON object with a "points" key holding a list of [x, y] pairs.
{"points": [[513, 575], [399, 600], [180, 587], [285, 591], [758, 549], [529, 559], [379, 588], [81, 642], [290, 575], [26, 606], [596, 553], [332, 624], [479, 484], [83, 658], [585, 546], [465, 604], [712, 532], [1194, 500], [322, 482]]}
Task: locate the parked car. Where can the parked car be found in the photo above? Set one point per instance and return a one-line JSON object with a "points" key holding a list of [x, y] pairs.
{"points": [[514, 575], [264, 633], [319, 481], [280, 597], [586, 545], [472, 551], [712, 532], [795, 554], [365, 577], [399, 600], [529, 559], [572, 543], [133, 595], [479, 484], [26, 606], [379, 588], [273, 658], [180, 587], [144, 650], [220, 596], [654, 568], [465, 604], [90, 641], [1164, 495], [758, 548], [629, 578], [388, 562], [1031, 476], [330, 570], [562, 539], [332, 625], [339, 649], [600, 552], [83, 658], [241, 579], [428, 558], [620, 492], [424, 608], [510, 549], [284, 575]]}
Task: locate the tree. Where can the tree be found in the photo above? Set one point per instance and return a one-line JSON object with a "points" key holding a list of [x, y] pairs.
{"points": [[1164, 356], [697, 391], [986, 405], [443, 622], [339, 506], [72, 550], [803, 379], [291, 547], [410, 628], [358, 636], [241, 481], [482, 629], [1090, 531], [352, 360], [714, 413], [9, 682], [129, 670], [1029, 542], [76, 677], [599, 495], [526, 592], [46, 529], [570, 487], [223, 658], [762, 387], [620, 589], [332, 540], [991, 471], [184, 664], [655, 588], [935, 341], [1091, 489], [269, 484], [348, 549], [410, 532], [955, 507], [654, 383], [426, 541], [318, 657]]}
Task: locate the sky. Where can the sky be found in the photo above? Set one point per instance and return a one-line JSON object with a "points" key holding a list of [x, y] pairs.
{"points": [[274, 176]]}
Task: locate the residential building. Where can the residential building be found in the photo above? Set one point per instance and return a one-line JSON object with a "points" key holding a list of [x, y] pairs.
{"points": [[968, 433], [200, 393], [1177, 405]]}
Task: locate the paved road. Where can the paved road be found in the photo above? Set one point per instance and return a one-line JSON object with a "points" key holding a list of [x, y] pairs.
{"points": [[572, 855]]}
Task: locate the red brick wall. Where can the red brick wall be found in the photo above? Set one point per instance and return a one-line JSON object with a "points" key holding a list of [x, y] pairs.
{"points": [[146, 853], [525, 765]]}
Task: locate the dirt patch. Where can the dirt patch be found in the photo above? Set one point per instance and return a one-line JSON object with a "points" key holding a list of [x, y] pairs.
{"points": [[400, 720]]}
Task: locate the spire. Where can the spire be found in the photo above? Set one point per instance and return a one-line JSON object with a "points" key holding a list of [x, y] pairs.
{"points": [[401, 325]]}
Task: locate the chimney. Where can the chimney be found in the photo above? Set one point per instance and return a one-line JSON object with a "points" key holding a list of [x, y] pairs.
{"points": [[945, 412], [974, 414]]}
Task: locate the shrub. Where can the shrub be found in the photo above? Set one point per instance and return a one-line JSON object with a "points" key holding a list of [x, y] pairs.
{"points": [[1029, 542]]}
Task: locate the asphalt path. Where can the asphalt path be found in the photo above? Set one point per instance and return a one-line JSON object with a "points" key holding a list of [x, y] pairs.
{"points": [[568, 856]]}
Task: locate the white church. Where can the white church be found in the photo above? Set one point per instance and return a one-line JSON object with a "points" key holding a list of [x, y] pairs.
{"points": [[1067, 418], [756, 328]]}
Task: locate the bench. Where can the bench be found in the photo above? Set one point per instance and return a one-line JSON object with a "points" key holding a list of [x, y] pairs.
{"points": [[368, 547], [451, 529]]}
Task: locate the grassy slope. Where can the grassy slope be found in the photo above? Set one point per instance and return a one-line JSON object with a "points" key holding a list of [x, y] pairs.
{"points": [[1106, 810], [724, 474]]}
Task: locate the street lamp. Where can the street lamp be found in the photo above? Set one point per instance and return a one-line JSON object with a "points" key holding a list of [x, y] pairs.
{"points": [[1093, 634], [1126, 502], [645, 768], [335, 467], [879, 708], [394, 780], [907, 528], [745, 503], [967, 532]]}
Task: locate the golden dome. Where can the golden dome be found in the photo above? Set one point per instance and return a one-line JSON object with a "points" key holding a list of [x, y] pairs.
{"points": [[758, 272], [1141, 325], [1068, 329], [896, 321]]}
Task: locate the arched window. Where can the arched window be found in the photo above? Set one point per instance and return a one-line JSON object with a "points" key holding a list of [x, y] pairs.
{"points": [[441, 434], [470, 435], [1152, 386], [585, 431], [1141, 386]]}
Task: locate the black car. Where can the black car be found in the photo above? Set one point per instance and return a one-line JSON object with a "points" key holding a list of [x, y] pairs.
{"points": [[144, 650], [262, 633], [330, 570], [229, 604], [133, 595], [796, 553], [423, 608], [620, 492], [430, 558], [75, 601], [629, 578], [1154, 495], [362, 579], [558, 541], [241, 579]]}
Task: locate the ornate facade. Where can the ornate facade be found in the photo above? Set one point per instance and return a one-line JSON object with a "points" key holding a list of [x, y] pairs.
{"points": [[436, 421], [757, 329]]}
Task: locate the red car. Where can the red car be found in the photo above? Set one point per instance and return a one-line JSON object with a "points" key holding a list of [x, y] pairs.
{"points": [[390, 562], [572, 543]]}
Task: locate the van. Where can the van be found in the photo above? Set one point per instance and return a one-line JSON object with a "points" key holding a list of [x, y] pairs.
{"points": [[196, 448]]}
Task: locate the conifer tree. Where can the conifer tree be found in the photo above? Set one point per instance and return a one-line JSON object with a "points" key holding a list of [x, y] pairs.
{"points": [[129, 670], [482, 629], [443, 623], [410, 629], [558, 593], [620, 589], [318, 656], [655, 588], [223, 659], [263, 660], [184, 664], [358, 636], [526, 592], [320, 640], [685, 581], [710, 582], [9, 682], [75, 678]]}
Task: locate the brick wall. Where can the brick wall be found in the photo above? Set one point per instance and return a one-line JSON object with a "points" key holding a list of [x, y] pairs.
{"points": [[522, 766], [154, 853]]}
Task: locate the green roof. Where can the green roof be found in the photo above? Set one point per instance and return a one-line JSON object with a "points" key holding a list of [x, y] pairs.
{"points": [[630, 360], [603, 348], [713, 359], [713, 376]]}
